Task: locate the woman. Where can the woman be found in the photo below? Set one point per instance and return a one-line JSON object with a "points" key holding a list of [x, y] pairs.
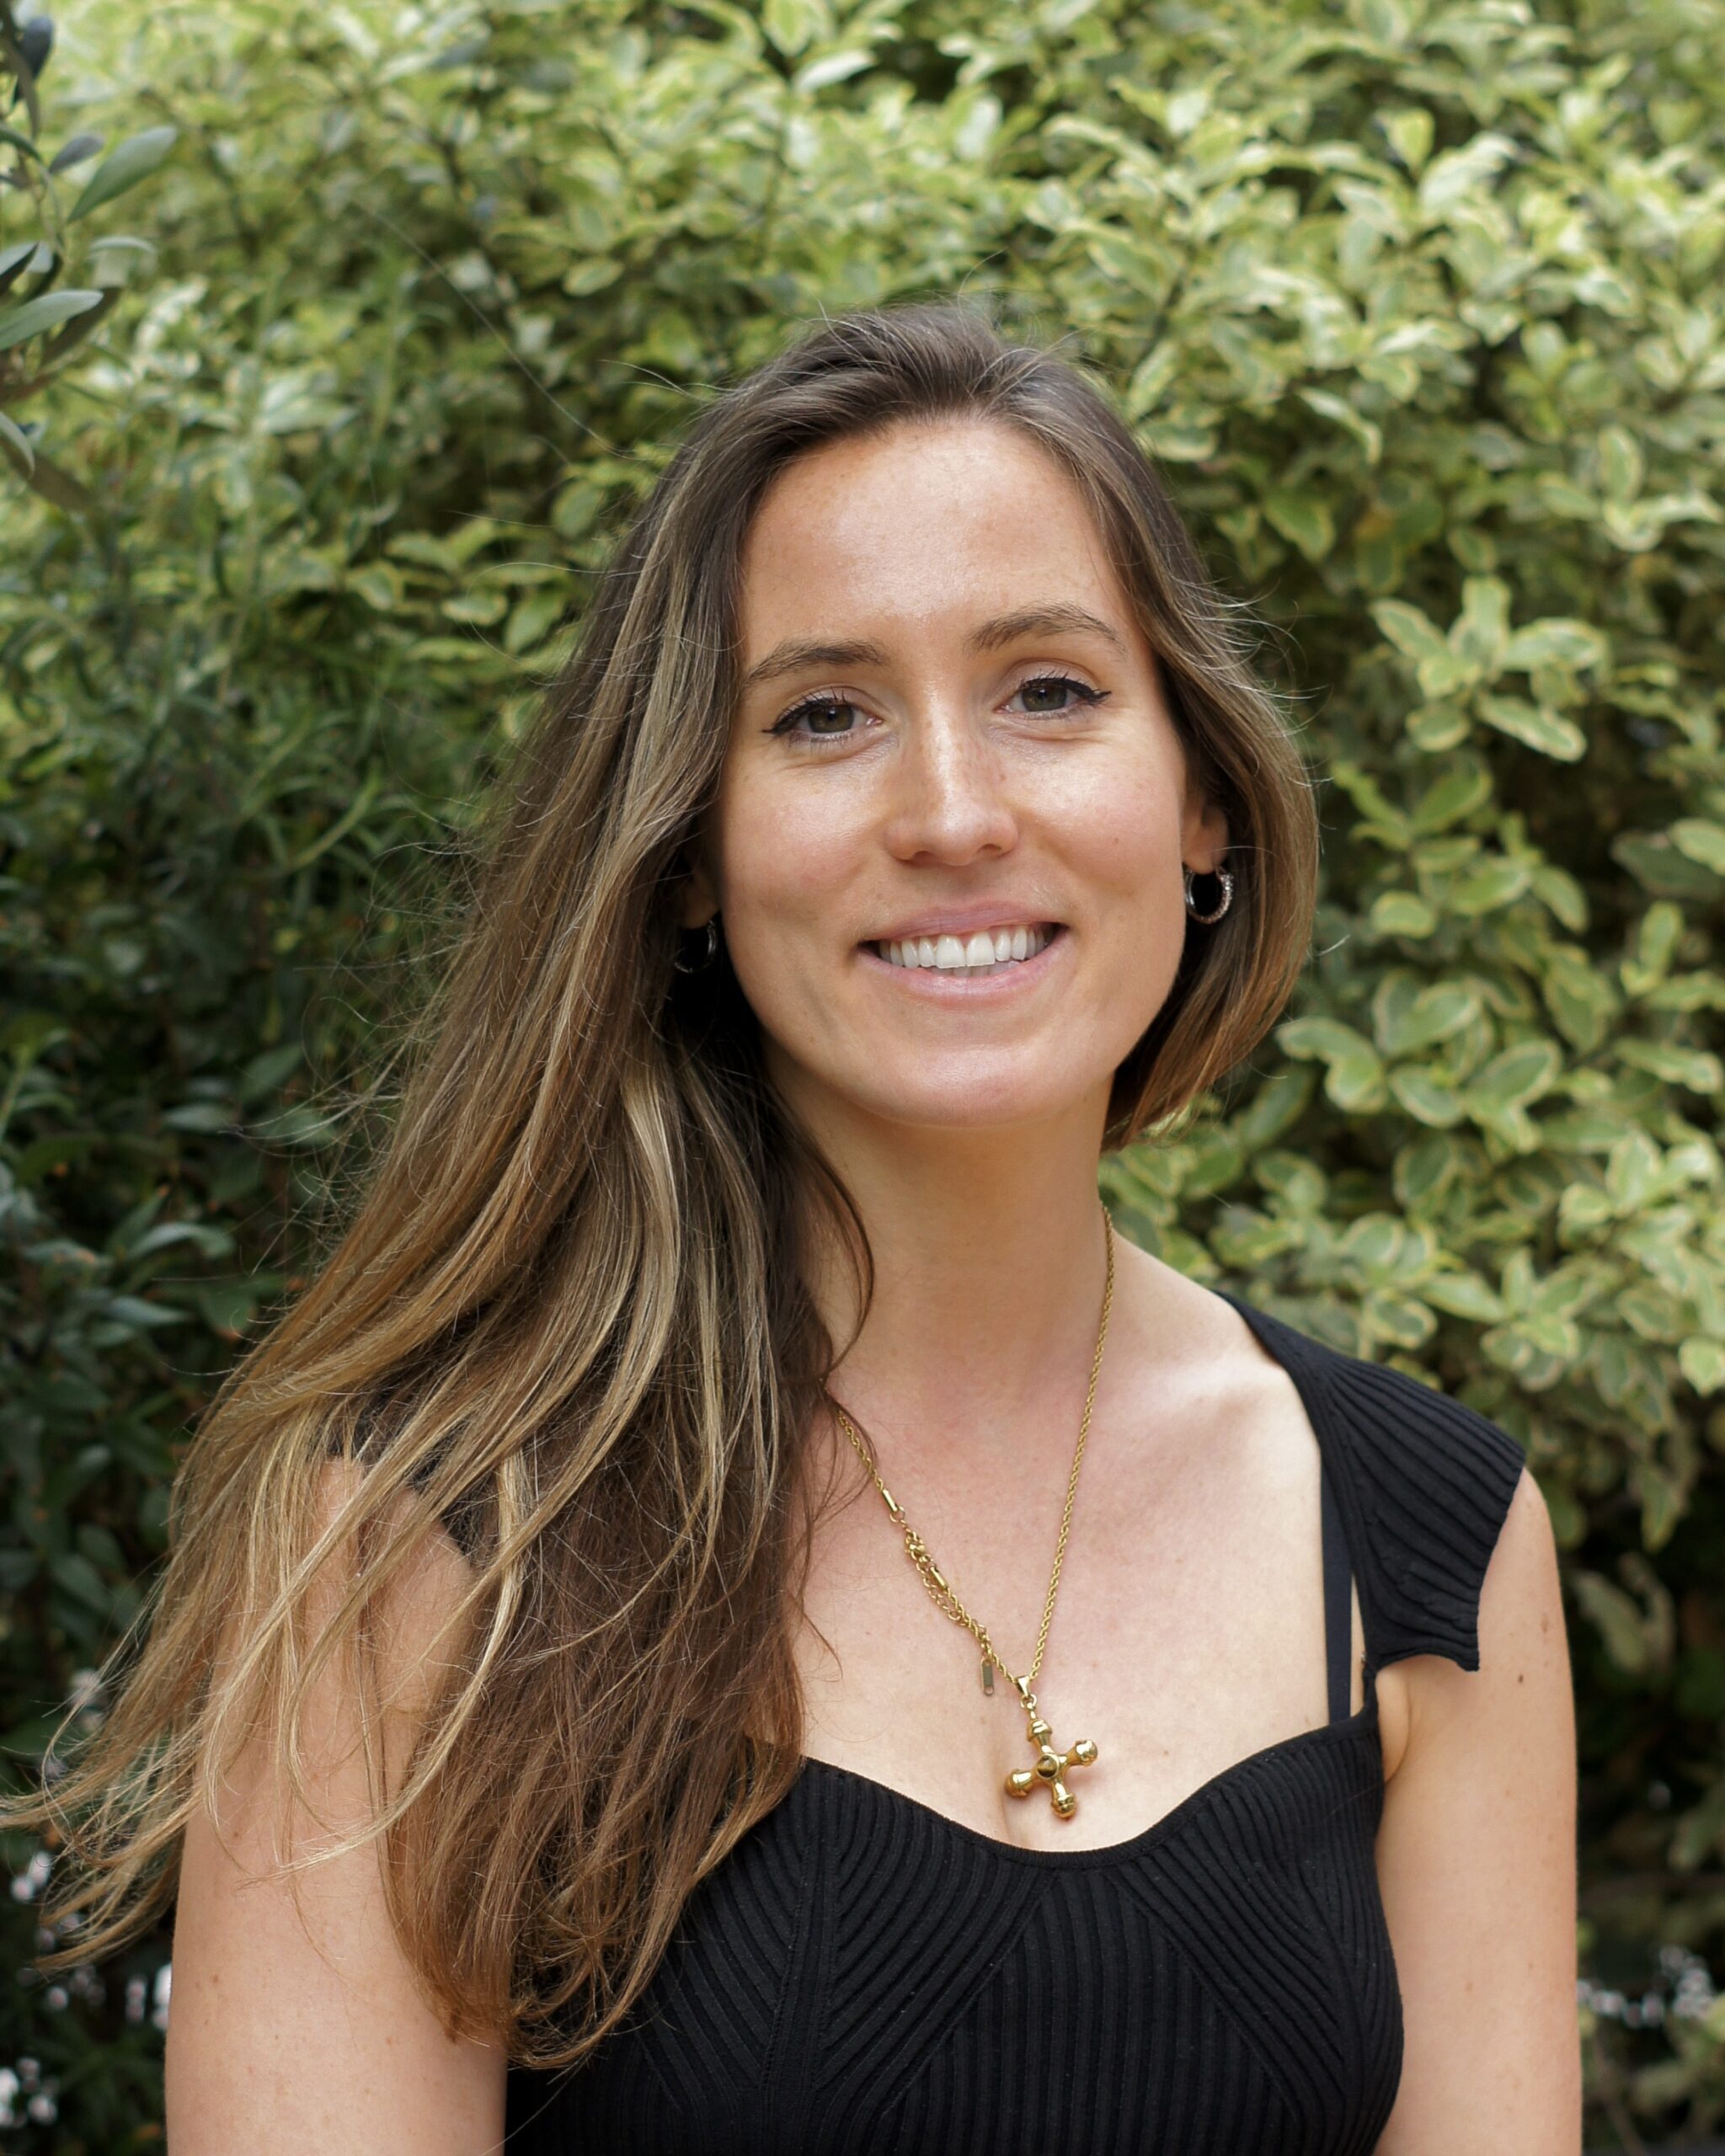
{"points": [[908, 829]]}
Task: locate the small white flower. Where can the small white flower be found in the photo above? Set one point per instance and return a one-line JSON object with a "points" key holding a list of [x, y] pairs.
{"points": [[27, 1884]]}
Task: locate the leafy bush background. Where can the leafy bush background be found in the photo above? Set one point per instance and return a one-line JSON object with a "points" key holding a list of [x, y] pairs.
{"points": [[1420, 306]]}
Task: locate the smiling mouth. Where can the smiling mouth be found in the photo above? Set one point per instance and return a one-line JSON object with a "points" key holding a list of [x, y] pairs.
{"points": [[988, 951]]}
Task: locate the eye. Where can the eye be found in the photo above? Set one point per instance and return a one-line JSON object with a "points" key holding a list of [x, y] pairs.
{"points": [[1052, 695], [823, 717]]}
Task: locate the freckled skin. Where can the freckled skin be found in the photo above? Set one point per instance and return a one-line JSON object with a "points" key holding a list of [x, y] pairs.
{"points": [[948, 785]]}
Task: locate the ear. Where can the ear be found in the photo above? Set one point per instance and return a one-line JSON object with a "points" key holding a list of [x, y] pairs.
{"points": [[1203, 836], [698, 901]]}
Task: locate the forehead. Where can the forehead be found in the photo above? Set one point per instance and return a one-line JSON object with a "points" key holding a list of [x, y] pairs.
{"points": [[926, 521]]}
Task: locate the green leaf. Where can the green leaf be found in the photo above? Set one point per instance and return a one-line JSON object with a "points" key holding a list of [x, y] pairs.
{"points": [[1401, 913], [1485, 889], [123, 167], [30, 318], [14, 258], [1618, 1618], [1656, 942], [1366, 432], [1303, 519], [1464, 1294], [1541, 728], [1437, 1012], [133, 1310], [1622, 466], [1465, 785], [1703, 1362], [1632, 1171], [1557, 642], [1414, 634], [75, 150], [1514, 1078], [791, 23], [1694, 1069], [80, 1579], [1701, 841], [15, 439], [1579, 998], [1327, 1040], [1454, 174], [1427, 1098], [1482, 628], [22, 143], [1660, 867], [1410, 132], [833, 67], [1354, 1075]]}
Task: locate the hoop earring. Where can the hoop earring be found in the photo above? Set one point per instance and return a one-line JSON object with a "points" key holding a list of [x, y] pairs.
{"points": [[1226, 880], [709, 951]]}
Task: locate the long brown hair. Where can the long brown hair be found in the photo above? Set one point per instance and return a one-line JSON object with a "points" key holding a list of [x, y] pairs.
{"points": [[568, 1323]]}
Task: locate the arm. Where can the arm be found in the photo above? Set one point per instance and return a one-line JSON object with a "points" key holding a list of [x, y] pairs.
{"points": [[1476, 1862], [284, 2034]]}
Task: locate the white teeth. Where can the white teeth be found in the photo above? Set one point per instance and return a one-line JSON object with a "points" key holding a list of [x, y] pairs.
{"points": [[982, 953]]}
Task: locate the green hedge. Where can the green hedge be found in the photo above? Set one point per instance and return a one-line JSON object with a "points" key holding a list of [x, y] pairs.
{"points": [[1419, 307]]}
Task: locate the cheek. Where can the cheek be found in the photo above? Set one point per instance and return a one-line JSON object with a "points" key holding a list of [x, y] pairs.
{"points": [[1121, 835], [783, 857]]}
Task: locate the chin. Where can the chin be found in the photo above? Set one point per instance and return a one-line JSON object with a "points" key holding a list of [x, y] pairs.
{"points": [[966, 1098]]}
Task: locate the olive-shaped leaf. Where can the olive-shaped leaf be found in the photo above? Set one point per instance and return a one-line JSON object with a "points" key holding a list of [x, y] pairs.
{"points": [[75, 152], [134, 159], [47, 313], [111, 261], [12, 260], [22, 143]]}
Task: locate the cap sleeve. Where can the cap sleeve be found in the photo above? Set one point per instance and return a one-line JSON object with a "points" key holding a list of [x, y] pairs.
{"points": [[1424, 1483]]}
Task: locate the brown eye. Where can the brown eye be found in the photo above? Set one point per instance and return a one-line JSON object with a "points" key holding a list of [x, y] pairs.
{"points": [[817, 719], [1050, 695]]}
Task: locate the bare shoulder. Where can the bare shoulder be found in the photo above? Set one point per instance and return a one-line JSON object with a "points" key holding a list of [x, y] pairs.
{"points": [[1523, 1650], [297, 2020], [419, 1609], [1476, 1864], [1238, 1384], [1197, 1335]]}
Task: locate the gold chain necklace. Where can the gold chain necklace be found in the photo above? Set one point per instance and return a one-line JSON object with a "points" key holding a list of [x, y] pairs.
{"points": [[1052, 1766]]}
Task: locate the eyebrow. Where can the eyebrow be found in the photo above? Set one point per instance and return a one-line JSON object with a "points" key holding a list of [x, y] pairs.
{"points": [[796, 652]]}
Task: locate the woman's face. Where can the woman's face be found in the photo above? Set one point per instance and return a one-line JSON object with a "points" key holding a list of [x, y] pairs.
{"points": [[948, 844]]}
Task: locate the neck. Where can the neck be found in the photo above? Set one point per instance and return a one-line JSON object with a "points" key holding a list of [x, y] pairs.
{"points": [[988, 1263]]}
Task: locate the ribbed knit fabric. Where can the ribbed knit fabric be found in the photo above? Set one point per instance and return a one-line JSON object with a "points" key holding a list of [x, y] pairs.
{"points": [[864, 1975]]}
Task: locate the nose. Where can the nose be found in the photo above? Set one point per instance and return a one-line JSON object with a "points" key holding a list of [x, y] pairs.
{"points": [[950, 802]]}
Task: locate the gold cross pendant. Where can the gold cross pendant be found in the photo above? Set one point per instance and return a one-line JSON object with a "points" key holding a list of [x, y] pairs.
{"points": [[1051, 1767]]}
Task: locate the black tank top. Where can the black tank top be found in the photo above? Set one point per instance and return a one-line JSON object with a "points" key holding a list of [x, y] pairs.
{"points": [[862, 1974]]}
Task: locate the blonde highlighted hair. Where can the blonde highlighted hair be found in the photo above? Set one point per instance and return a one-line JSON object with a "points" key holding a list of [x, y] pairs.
{"points": [[567, 1325]]}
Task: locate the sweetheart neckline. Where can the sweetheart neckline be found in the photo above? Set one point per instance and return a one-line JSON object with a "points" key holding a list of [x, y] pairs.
{"points": [[1356, 1724]]}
